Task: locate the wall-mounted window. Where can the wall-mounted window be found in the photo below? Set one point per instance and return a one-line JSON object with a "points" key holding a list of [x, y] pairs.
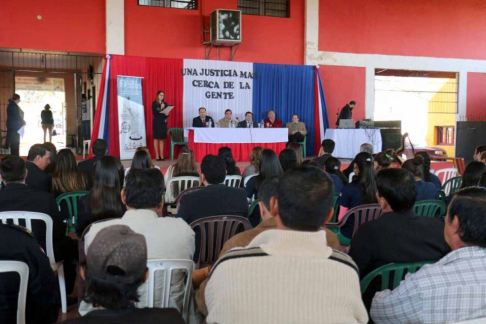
{"points": [[272, 8], [179, 4], [444, 135]]}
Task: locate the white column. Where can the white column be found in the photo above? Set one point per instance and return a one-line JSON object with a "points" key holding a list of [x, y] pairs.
{"points": [[370, 93], [311, 44], [115, 27]]}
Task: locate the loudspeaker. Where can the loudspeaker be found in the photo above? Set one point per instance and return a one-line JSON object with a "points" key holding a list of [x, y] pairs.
{"points": [[391, 140], [468, 136], [225, 27]]}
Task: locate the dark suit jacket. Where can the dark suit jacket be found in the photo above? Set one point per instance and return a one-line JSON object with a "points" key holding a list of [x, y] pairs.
{"points": [[346, 113], [197, 122], [400, 238], [14, 122], [36, 178], [88, 166], [244, 124], [19, 197], [212, 200], [321, 160], [43, 290]]}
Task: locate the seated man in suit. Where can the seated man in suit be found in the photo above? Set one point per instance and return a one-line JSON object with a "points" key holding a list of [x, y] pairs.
{"points": [[248, 122], [296, 129], [215, 198], [202, 120], [16, 196], [99, 149], [37, 161], [225, 122]]}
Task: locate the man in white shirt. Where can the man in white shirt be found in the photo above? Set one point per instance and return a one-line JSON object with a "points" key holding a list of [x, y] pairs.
{"points": [[289, 274], [167, 238]]}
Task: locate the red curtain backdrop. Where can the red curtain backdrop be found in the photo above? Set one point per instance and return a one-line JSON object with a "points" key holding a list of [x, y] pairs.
{"points": [[158, 74]]}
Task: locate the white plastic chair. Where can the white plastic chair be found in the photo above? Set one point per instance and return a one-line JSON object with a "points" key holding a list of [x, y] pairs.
{"points": [[449, 173], [169, 266], [15, 216], [88, 142], [248, 178], [232, 181], [177, 185], [23, 270], [351, 175], [481, 320]]}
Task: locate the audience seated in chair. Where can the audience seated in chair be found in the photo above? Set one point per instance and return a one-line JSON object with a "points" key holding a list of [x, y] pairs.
{"points": [[141, 160], [254, 166], [366, 147], [42, 304], [361, 191], [398, 235], [478, 152], [452, 289], [49, 170], [268, 190], [471, 177], [227, 155], [383, 160], [429, 176], [185, 166], [37, 161], [116, 268], [297, 148], [17, 196], [288, 160], [103, 200], [333, 168], [278, 276], [425, 190], [68, 177], [167, 237], [327, 147], [98, 148], [269, 167], [214, 199]]}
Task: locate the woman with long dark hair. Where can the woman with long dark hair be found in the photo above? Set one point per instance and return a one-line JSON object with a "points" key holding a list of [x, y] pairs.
{"points": [[254, 166], [429, 176], [383, 160], [185, 166], [47, 121], [472, 174], [269, 167], [297, 148], [288, 159], [333, 167], [425, 190], [361, 191], [104, 199], [231, 168], [159, 124], [67, 176]]}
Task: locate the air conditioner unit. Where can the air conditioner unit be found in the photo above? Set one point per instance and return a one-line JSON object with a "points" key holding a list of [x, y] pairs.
{"points": [[225, 27]]}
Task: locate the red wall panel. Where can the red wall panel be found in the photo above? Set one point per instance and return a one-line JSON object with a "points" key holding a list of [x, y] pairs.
{"points": [[342, 84], [476, 94], [177, 33], [66, 25], [445, 28]]}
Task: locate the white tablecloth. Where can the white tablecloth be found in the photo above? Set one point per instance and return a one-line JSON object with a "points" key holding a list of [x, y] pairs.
{"points": [[238, 135], [348, 141]]}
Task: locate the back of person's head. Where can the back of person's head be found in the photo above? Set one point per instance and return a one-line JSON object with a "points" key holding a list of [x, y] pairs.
{"points": [[186, 164], [305, 196], [482, 181], [226, 153], [14, 97], [144, 188], [366, 176], [288, 159], [472, 174], [116, 265], [383, 161], [66, 161], [483, 157], [469, 206], [108, 173], [141, 160], [333, 166], [99, 147], [426, 166], [480, 149], [53, 150], [268, 189], [35, 150], [415, 166], [297, 148], [366, 147], [67, 177], [269, 165], [12, 169], [255, 155], [397, 187], [213, 168], [328, 146]]}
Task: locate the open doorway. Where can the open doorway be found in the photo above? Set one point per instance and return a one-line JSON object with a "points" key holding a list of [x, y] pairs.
{"points": [[35, 93], [425, 102]]}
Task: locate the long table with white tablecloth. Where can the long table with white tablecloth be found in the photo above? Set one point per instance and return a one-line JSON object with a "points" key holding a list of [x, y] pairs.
{"points": [[348, 141], [205, 141]]}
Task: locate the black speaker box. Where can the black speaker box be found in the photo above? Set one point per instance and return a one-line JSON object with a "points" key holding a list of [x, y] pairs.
{"points": [[468, 136]]}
